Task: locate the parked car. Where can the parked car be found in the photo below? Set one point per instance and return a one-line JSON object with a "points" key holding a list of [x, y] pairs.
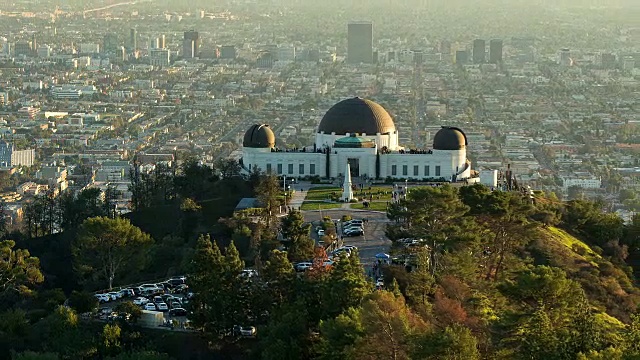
{"points": [[175, 304], [102, 298], [248, 331], [158, 299], [178, 312], [150, 306], [113, 295], [302, 266], [140, 301], [354, 232], [320, 233], [127, 293], [162, 307]]}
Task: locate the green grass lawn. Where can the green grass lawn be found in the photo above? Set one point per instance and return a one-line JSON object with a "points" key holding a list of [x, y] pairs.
{"points": [[322, 193], [375, 206], [378, 193], [318, 205]]}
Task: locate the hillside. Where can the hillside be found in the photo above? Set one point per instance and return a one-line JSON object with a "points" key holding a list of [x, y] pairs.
{"points": [[608, 286]]}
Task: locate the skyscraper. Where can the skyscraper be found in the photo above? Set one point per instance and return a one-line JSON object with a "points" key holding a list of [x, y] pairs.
{"points": [[462, 57], [163, 42], [479, 51], [360, 42], [190, 44], [495, 51], [133, 39]]}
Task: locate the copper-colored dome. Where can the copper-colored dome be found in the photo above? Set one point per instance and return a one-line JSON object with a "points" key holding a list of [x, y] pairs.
{"points": [[259, 136], [449, 138], [357, 115]]}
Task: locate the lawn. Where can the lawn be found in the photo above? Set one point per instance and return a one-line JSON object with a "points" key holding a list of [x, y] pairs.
{"points": [[322, 193], [378, 193], [375, 206], [319, 205]]}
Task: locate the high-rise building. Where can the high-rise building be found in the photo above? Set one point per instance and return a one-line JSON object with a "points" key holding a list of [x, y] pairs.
{"points": [[360, 42], [133, 40], [495, 51], [159, 57], [479, 51], [9, 156], [163, 42], [23, 48], [445, 50], [462, 57], [110, 43], [190, 44], [564, 57], [228, 52], [34, 44]]}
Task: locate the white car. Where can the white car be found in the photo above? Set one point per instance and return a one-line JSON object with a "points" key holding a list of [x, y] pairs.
{"points": [[102, 298], [350, 247], [303, 266], [162, 307], [150, 307], [140, 301], [380, 283], [113, 295], [320, 233], [248, 331]]}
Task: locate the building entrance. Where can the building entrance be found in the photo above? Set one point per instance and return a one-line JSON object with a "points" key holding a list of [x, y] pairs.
{"points": [[354, 165]]}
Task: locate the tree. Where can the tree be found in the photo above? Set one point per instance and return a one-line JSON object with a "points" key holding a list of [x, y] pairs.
{"points": [[206, 264], [286, 337], [111, 339], [346, 285], [454, 343], [219, 285], [339, 335], [106, 248], [279, 274], [388, 325], [434, 214], [60, 333], [82, 301], [268, 192], [18, 270], [128, 307], [505, 216], [296, 234], [3, 220], [140, 355]]}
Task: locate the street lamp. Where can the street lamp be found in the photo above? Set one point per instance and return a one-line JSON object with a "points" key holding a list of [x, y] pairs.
{"points": [[406, 187]]}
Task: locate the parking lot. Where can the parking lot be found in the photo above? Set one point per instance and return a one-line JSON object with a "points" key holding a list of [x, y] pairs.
{"points": [[150, 299], [374, 240]]}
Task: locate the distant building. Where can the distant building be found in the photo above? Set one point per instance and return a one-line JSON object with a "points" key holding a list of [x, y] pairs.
{"points": [[190, 44], [44, 51], [265, 60], [23, 48], [89, 48], [608, 61], [564, 57], [133, 40], [462, 57], [162, 42], [9, 156], [495, 51], [72, 92], [228, 52], [360, 42], [110, 43], [479, 50], [159, 57]]}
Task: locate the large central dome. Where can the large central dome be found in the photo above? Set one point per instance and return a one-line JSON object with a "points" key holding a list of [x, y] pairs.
{"points": [[357, 115]]}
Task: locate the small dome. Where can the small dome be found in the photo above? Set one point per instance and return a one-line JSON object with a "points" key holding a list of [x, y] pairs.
{"points": [[357, 116], [354, 141], [259, 136], [449, 138]]}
